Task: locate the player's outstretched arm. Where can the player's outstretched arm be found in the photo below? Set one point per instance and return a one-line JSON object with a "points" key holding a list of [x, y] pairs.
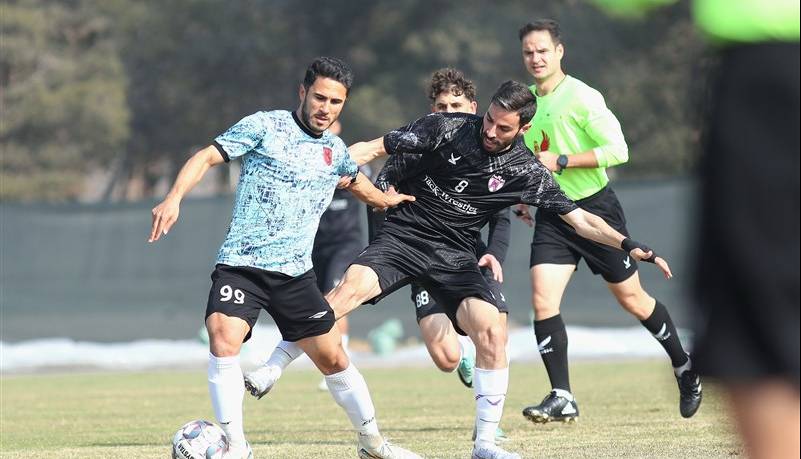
{"points": [[364, 152], [365, 191], [166, 213], [591, 226]]}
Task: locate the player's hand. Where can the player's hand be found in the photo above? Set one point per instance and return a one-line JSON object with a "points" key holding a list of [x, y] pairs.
{"points": [[642, 252], [640, 255], [344, 182], [521, 211], [164, 216], [390, 191], [489, 260], [662, 264], [392, 198], [548, 159]]}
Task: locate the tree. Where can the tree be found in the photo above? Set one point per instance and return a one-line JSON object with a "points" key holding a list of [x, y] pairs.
{"points": [[62, 87]]}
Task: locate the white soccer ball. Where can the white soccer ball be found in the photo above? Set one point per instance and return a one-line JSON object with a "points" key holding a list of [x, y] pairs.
{"points": [[199, 440]]}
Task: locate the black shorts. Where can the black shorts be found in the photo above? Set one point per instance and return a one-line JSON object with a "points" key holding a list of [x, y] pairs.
{"points": [[747, 278], [295, 303], [556, 242], [426, 305], [449, 275], [331, 260]]}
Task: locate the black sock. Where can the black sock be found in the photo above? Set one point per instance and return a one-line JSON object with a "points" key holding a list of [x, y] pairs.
{"points": [[661, 326], [552, 342]]}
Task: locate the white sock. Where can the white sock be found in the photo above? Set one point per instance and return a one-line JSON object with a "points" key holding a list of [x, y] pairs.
{"points": [[490, 388], [284, 353], [350, 391], [679, 370], [227, 390]]}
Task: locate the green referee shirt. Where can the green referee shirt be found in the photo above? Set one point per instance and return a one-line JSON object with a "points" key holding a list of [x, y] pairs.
{"points": [[572, 119], [748, 21]]}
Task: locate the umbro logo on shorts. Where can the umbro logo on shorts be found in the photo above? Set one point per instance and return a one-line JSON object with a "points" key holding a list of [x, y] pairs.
{"points": [[627, 262], [318, 315]]}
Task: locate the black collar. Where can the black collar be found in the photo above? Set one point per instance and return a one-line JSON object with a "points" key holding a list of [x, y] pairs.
{"points": [[304, 128]]}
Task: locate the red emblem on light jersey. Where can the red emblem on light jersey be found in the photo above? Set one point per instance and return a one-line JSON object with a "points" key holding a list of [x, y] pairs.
{"points": [[327, 154], [495, 183]]}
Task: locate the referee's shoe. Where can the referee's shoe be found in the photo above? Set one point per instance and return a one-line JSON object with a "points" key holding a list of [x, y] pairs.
{"points": [[559, 405], [689, 393]]}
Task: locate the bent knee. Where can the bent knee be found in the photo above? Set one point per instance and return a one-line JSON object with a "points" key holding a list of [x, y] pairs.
{"points": [[639, 304], [331, 362], [544, 307], [225, 334], [445, 361], [492, 337]]}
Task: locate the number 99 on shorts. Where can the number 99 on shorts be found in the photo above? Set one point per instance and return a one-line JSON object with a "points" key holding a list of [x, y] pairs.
{"points": [[227, 293]]}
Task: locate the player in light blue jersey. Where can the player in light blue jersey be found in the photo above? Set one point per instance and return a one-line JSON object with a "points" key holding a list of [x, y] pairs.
{"points": [[291, 165]]}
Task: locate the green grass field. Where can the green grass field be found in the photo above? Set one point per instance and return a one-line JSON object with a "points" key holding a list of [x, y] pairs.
{"points": [[628, 409]]}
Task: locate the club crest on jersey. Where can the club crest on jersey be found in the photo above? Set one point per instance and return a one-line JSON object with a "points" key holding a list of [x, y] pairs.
{"points": [[327, 155], [495, 183], [543, 145]]}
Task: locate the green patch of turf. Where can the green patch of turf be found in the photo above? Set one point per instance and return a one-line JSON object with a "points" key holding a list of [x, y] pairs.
{"points": [[628, 409]]}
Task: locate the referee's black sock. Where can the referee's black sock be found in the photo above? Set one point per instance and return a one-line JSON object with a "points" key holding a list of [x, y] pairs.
{"points": [[661, 326], [552, 343]]}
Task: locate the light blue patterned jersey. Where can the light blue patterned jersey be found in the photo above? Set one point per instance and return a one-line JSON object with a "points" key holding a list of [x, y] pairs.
{"points": [[288, 178]]}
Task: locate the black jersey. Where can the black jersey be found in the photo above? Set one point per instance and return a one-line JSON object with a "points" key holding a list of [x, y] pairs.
{"points": [[400, 167], [341, 221], [460, 185]]}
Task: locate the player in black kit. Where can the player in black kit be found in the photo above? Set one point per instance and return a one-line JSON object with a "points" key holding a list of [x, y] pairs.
{"points": [[449, 92], [471, 167]]}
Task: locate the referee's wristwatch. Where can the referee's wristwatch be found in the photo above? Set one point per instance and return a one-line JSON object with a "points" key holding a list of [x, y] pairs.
{"points": [[561, 163]]}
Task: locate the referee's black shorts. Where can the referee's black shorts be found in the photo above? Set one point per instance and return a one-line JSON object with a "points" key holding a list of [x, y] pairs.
{"points": [[556, 242], [449, 275], [747, 278]]}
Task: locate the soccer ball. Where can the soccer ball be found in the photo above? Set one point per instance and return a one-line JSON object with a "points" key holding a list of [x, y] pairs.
{"points": [[199, 440]]}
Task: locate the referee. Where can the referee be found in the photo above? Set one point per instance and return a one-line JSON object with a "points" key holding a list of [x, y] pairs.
{"points": [[577, 137]]}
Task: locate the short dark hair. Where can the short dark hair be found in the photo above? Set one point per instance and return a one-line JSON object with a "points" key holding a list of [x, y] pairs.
{"points": [[453, 81], [514, 96], [549, 25], [329, 67]]}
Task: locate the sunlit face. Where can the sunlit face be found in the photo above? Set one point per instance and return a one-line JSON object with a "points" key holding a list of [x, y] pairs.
{"points": [[500, 129], [447, 102], [322, 103], [542, 58]]}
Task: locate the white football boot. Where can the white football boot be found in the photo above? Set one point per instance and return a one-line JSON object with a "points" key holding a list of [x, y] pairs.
{"points": [[492, 451], [239, 453], [261, 380], [375, 447]]}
